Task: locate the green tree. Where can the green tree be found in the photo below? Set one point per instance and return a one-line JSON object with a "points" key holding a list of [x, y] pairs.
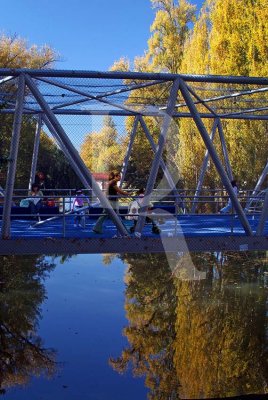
{"points": [[16, 53], [170, 30], [227, 38]]}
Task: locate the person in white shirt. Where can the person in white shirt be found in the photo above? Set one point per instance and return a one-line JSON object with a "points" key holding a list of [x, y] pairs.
{"points": [[133, 212], [229, 205]]}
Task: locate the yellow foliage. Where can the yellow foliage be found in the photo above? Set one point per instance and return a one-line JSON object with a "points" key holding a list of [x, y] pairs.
{"points": [[15, 53]]}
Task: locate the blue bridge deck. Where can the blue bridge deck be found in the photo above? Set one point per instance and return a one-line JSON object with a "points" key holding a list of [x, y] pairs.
{"points": [[189, 233], [187, 225]]}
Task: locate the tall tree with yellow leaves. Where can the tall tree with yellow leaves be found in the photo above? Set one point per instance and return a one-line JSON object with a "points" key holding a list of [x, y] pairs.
{"points": [[101, 150], [228, 38]]}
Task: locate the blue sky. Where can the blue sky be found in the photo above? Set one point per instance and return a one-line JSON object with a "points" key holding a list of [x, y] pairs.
{"points": [[88, 34]]}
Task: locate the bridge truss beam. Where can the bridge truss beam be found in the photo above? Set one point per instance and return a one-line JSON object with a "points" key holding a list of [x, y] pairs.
{"points": [[181, 85]]}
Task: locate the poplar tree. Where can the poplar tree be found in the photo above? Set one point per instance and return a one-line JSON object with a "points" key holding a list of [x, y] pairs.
{"points": [[101, 150], [228, 38], [16, 53]]}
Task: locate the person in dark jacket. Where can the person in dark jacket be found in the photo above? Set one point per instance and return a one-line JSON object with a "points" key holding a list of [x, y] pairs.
{"points": [[112, 191]]}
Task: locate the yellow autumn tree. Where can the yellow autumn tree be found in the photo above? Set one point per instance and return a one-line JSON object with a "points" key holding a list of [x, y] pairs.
{"points": [[15, 52], [103, 151], [228, 38], [169, 32]]}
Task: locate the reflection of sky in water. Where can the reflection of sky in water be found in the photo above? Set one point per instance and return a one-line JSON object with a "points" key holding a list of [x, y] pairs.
{"points": [[83, 318]]}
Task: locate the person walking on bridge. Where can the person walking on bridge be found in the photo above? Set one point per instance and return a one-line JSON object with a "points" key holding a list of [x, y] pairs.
{"points": [[134, 209], [112, 191], [229, 205]]}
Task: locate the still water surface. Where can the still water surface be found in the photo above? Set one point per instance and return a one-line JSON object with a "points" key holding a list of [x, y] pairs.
{"points": [[128, 327]]}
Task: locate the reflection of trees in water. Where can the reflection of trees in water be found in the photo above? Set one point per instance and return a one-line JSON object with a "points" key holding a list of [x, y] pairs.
{"points": [[150, 306], [21, 295], [197, 338], [220, 346]]}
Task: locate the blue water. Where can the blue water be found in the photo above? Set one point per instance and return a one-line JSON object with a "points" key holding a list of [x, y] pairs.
{"points": [[141, 328], [82, 319]]}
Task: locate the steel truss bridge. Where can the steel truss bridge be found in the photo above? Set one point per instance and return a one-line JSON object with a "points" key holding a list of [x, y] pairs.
{"points": [[47, 95]]}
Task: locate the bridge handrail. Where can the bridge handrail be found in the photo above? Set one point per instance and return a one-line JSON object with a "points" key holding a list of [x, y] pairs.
{"points": [[206, 203]]}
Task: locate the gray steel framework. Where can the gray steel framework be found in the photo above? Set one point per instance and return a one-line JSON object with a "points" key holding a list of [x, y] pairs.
{"points": [[74, 155], [116, 98], [204, 168], [213, 154], [35, 150], [14, 147], [258, 185], [133, 245], [158, 155]]}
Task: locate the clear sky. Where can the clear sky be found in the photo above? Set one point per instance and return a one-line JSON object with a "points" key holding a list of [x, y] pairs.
{"points": [[88, 34]]}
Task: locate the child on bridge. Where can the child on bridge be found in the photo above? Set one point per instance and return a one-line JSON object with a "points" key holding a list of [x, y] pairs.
{"points": [[134, 212], [78, 207]]}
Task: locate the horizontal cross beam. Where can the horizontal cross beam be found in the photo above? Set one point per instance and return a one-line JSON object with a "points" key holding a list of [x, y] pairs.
{"points": [[134, 75]]}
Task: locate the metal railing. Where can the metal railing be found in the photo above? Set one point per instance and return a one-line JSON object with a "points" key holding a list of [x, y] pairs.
{"points": [[57, 203]]}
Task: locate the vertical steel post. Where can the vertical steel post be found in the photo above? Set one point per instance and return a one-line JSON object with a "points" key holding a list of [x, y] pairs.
{"points": [[75, 155], [129, 148], [158, 155], [204, 167], [258, 185], [213, 154], [14, 146], [225, 152], [35, 150], [263, 216]]}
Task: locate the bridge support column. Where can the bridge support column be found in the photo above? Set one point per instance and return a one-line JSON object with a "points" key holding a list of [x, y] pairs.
{"points": [[258, 185], [213, 154], [73, 153], [166, 172], [225, 152], [158, 155], [35, 150], [14, 146], [263, 217]]}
